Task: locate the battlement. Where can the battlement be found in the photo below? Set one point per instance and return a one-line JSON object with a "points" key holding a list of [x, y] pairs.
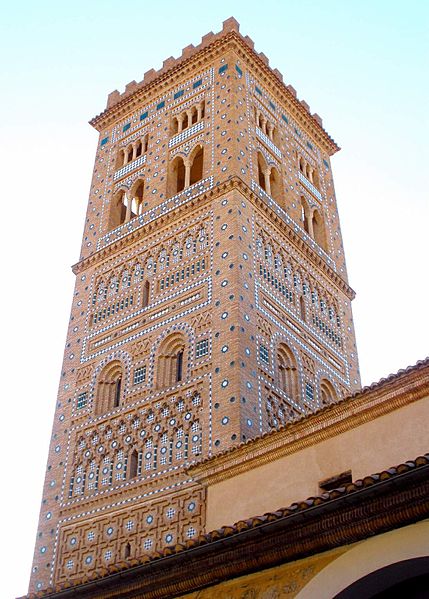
{"points": [[230, 27]]}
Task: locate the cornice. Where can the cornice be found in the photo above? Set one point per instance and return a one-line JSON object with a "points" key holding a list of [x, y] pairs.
{"points": [[226, 186], [362, 407], [156, 82], [373, 505]]}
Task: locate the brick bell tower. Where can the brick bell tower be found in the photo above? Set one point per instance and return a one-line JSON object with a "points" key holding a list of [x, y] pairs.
{"points": [[211, 302]]}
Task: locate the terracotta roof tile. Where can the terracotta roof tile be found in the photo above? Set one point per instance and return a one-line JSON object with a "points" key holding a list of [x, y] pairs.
{"points": [[419, 365], [243, 525]]}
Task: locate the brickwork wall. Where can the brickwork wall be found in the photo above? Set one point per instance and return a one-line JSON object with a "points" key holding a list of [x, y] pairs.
{"points": [[222, 271]]}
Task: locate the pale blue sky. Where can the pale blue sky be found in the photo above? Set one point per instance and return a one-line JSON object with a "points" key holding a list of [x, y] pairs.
{"points": [[361, 65]]}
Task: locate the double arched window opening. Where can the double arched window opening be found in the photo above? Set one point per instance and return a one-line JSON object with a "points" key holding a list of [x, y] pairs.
{"points": [[313, 224], [269, 179], [126, 205], [184, 172]]}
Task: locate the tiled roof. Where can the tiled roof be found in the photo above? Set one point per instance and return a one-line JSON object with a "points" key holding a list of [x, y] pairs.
{"points": [[420, 365], [249, 524]]}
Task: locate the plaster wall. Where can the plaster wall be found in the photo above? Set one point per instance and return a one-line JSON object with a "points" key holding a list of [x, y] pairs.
{"points": [[369, 448]]}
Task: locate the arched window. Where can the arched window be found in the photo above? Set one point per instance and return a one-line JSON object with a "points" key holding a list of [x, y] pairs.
{"points": [[305, 215], [120, 159], [183, 173], [174, 125], [139, 149], [262, 169], [109, 388], [316, 180], [287, 371], [197, 160], [176, 177], [179, 366], [171, 364], [118, 209], [137, 193], [276, 186], [319, 233], [327, 392], [130, 153]]}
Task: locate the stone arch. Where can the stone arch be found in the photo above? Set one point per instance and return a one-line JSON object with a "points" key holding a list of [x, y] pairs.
{"points": [[113, 283], [100, 290], [163, 258], [140, 146]]}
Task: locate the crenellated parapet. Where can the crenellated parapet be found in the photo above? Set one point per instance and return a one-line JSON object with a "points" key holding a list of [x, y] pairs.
{"points": [[211, 44]]}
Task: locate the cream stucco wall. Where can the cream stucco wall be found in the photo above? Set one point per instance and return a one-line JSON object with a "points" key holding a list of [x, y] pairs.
{"points": [[386, 441]]}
